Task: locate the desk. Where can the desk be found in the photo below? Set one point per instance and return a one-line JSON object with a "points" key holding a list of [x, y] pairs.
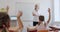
{"points": [[55, 28]]}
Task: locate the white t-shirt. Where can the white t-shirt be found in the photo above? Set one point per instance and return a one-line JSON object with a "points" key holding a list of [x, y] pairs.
{"points": [[36, 18], [40, 12]]}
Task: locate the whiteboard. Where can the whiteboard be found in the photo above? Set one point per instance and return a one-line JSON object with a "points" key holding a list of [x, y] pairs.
{"points": [[26, 8]]}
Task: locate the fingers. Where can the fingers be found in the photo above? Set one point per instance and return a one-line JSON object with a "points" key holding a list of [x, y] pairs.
{"points": [[48, 9], [7, 8], [19, 14]]}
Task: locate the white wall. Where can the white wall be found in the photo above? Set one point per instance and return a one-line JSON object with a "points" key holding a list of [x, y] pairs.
{"points": [[56, 10], [3, 3], [44, 5]]}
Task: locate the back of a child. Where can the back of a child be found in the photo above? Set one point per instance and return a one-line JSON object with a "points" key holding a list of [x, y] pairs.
{"points": [[41, 26], [4, 21]]}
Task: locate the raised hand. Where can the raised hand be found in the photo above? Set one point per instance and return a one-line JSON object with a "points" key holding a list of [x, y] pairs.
{"points": [[7, 8], [49, 16], [19, 20], [19, 14], [49, 10]]}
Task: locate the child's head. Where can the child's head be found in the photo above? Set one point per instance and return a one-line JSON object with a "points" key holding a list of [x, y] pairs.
{"points": [[4, 19], [41, 18]]}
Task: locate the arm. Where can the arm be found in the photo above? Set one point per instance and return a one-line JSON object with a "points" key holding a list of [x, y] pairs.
{"points": [[19, 20], [33, 14], [7, 8], [49, 16], [20, 23], [31, 28]]}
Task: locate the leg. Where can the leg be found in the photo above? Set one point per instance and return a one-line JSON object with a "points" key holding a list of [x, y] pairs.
{"points": [[35, 23]]}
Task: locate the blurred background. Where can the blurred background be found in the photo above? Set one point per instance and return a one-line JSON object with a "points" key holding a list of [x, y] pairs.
{"points": [[27, 6]]}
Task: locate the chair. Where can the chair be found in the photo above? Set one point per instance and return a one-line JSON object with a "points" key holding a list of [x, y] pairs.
{"points": [[43, 31], [16, 29]]}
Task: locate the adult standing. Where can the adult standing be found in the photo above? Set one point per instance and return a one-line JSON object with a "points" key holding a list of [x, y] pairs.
{"points": [[36, 15]]}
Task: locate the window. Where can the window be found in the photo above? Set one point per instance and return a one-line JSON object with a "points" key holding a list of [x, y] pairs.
{"points": [[56, 10]]}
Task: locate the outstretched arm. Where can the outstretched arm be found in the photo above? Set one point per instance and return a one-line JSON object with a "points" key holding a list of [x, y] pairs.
{"points": [[49, 16], [7, 8], [19, 20]]}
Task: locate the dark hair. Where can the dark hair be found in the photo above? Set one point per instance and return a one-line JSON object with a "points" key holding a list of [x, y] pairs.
{"points": [[41, 18], [4, 20]]}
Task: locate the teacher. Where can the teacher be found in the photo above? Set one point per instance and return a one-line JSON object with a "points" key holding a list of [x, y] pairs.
{"points": [[36, 15]]}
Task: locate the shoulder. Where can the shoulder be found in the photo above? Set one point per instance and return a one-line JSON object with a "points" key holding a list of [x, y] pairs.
{"points": [[45, 23]]}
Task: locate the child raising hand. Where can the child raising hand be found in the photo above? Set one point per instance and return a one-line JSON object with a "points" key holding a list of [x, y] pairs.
{"points": [[19, 20]]}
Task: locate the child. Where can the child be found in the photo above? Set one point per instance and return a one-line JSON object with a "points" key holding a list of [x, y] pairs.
{"points": [[20, 24], [42, 25], [5, 21]]}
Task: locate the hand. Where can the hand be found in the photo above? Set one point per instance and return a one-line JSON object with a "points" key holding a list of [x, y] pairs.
{"points": [[34, 15], [49, 16], [49, 10], [19, 14], [7, 8]]}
